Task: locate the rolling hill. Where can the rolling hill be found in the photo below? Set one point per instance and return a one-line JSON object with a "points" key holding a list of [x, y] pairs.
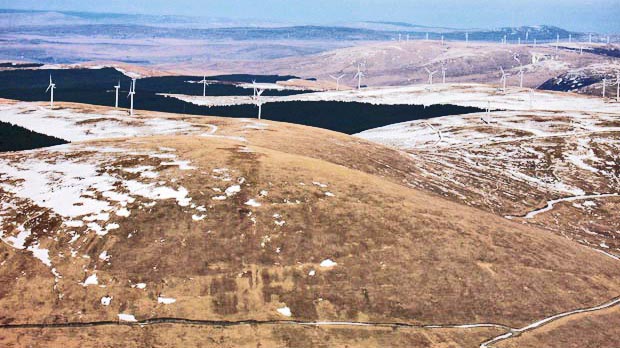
{"points": [[207, 231]]}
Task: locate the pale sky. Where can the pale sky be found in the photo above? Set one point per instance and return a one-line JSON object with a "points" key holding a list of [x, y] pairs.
{"points": [[580, 15]]}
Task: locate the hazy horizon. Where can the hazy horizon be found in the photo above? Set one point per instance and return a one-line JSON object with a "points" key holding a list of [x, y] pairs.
{"points": [[592, 15]]}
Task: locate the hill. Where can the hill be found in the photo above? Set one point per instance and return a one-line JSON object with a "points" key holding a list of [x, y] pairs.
{"points": [[239, 228]]}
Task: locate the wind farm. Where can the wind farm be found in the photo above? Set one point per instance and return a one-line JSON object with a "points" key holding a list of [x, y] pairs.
{"points": [[381, 178]]}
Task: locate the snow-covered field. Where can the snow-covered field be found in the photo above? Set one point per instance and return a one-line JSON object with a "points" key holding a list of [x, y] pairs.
{"points": [[472, 95], [75, 125]]}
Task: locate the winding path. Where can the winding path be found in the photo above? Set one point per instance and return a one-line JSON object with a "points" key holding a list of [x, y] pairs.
{"points": [[550, 204], [545, 321]]}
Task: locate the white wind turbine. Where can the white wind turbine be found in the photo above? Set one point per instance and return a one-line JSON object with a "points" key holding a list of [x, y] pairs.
{"points": [[503, 79], [51, 88], [359, 76], [259, 102], [337, 78], [443, 74], [254, 88], [430, 75], [604, 86], [132, 92], [618, 86], [117, 88], [204, 85], [466, 37], [520, 71]]}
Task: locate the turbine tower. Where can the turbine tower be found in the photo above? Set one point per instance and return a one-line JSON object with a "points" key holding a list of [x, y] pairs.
{"points": [[604, 86], [204, 85], [337, 78], [618, 86], [466, 37], [443, 74], [132, 92], [51, 88], [117, 88], [430, 75], [359, 76]]}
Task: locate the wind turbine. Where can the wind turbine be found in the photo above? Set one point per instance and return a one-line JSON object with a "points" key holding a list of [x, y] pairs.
{"points": [[443, 74], [618, 86], [557, 43], [466, 37], [503, 79], [132, 92], [204, 85], [426, 36], [254, 88], [590, 41], [570, 37], [259, 102], [51, 89], [520, 71], [430, 75], [359, 76], [442, 40], [117, 88], [337, 78], [527, 36], [604, 86]]}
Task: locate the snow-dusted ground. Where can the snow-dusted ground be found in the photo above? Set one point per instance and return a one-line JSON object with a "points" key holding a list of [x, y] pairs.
{"points": [[75, 125], [559, 169], [474, 95], [85, 187]]}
